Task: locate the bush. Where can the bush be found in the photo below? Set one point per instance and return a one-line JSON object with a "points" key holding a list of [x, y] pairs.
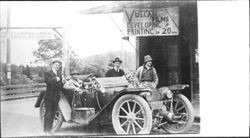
{"points": [[95, 69], [20, 79], [38, 79], [3, 80]]}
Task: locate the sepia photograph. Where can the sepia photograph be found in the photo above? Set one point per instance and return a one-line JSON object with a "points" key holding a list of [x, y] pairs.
{"points": [[100, 68]]}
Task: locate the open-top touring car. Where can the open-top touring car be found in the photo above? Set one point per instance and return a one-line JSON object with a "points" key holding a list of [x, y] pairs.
{"points": [[130, 110]]}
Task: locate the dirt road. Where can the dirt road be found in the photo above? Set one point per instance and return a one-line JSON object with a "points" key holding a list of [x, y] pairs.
{"points": [[20, 118]]}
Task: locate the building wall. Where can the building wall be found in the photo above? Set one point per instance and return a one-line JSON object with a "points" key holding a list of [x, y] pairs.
{"points": [[174, 56]]}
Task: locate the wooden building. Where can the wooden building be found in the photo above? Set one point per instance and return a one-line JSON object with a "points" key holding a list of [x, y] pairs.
{"points": [[174, 57]]}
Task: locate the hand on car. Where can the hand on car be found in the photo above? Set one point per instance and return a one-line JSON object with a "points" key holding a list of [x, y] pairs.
{"points": [[64, 81], [78, 90], [57, 79]]}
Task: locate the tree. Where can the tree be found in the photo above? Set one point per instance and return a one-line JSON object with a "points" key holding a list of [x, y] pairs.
{"points": [[75, 62], [22, 68], [48, 50], [3, 77], [27, 72]]}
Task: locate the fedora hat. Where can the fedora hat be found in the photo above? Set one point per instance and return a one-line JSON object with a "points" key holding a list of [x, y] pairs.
{"points": [[74, 72], [117, 60], [147, 58], [56, 61]]}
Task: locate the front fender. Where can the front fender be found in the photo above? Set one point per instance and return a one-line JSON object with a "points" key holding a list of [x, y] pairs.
{"points": [[161, 92], [104, 115], [65, 107]]}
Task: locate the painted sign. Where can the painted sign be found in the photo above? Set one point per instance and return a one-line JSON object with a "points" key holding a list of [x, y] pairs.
{"points": [[151, 22], [27, 35]]}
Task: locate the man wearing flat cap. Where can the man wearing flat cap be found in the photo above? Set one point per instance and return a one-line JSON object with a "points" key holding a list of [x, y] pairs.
{"points": [[116, 71], [53, 80], [146, 74]]}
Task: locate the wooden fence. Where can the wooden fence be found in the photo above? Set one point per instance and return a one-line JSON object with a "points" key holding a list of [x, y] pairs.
{"points": [[21, 91]]}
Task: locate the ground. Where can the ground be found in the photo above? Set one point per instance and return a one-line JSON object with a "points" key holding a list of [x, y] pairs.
{"points": [[21, 118]]}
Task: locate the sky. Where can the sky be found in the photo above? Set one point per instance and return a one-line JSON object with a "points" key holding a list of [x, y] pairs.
{"points": [[86, 34]]}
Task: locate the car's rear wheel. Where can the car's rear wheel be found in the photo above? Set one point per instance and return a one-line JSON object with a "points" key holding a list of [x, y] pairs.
{"points": [[58, 120], [131, 114]]}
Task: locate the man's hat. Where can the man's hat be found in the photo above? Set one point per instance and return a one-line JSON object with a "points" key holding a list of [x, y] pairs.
{"points": [[74, 72], [147, 58], [56, 61], [117, 60]]}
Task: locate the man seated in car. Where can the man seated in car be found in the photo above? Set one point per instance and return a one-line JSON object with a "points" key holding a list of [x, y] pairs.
{"points": [[73, 85]]}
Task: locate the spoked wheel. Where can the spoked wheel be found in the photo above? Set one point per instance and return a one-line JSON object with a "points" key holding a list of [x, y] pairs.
{"points": [[131, 114], [182, 109], [58, 120]]}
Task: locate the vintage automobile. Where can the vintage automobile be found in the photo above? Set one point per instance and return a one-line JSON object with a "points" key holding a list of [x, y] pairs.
{"points": [[130, 109]]}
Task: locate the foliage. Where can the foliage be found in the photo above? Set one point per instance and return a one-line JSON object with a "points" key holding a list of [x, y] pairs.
{"points": [[95, 69], [26, 71], [20, 79], [39, 70], [97, 64], [21, 74], [2, 79], [48, 50], [38, 80], [75, 62], [104, 60]]}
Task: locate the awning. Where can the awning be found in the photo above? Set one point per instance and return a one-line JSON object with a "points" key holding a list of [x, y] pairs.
{"points": [[119, 6]]}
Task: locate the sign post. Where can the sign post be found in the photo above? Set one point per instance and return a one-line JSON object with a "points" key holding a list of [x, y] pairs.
{"points": [[15, 33], [8, 48]]}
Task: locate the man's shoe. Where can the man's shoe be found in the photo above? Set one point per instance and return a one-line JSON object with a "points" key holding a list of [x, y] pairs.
{"points": [[70, 121], [51, 133], [46, 133]]}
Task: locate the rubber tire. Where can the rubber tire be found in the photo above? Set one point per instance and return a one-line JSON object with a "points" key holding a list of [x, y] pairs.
{"points": [[59, 122], [142, 102], [190, 111]]}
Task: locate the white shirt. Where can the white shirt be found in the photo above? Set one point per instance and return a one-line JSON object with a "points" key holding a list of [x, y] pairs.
{"points": [[54, 71], [147, 67], [116, 69]]}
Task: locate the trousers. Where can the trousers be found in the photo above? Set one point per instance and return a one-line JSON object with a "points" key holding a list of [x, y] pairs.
{"points": [[50, 111]]}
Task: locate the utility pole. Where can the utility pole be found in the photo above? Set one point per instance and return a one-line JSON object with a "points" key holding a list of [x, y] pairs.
{"points": [[8, 47], [66, 51]]}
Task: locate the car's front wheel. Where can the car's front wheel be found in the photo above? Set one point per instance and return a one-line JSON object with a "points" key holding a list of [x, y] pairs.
{"points": [[181, 106], [131, 114]]}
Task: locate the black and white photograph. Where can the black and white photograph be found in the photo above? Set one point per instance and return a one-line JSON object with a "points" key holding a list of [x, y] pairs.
{"points": [[116, 68]]}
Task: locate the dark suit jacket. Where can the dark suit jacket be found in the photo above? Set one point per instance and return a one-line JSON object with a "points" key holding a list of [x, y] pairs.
{"points": [[53, 86], [113, 73]]}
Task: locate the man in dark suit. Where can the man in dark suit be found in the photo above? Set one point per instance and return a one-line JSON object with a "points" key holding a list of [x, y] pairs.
{"points": [[116, 71], [53, 80]]}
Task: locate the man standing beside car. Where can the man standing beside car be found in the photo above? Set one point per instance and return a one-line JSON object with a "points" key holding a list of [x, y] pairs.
{"points": [[116, 71], [146, 74], [53, 80]]}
